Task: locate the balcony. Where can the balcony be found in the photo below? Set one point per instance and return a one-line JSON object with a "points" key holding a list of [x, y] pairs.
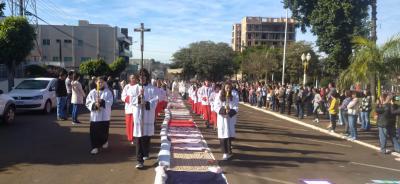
{"points": [[126, 53]]}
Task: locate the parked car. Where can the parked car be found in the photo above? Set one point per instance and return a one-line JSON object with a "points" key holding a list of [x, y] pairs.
{"points": [[7, 108], [35, 94]]}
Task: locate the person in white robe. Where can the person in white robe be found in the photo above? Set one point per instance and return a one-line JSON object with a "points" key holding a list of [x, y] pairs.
{"points": [[144, 100], [126, 96], [226, 106], [99, 102], [205, 93]]}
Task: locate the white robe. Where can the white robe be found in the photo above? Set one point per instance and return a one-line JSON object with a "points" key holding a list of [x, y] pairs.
{"points": [[145, 127], [213, 96], [127, 91], [205, 93], [104, 114], [226, 124]]}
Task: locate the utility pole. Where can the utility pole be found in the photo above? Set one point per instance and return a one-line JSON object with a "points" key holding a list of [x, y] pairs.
{"points": [[21, 7], [284, 49], [142, 30]]}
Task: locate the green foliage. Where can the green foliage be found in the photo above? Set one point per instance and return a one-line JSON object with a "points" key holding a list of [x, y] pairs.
{"points": [[118, 66], [370, 60], [335, 23], [294, 64], [35, 71], [43, 71], [2, 7], [16, 40], [206, 60], [95, 68], [258, 62]]}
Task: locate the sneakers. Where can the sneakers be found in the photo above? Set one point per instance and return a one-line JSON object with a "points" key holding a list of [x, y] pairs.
{"points": [[145, 158], [226, 156], [105, 145], [139, 166], [94, 151]]}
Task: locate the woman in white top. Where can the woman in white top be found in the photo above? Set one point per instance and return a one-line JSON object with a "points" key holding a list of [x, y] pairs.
{"points": [[226, 106], [77, 97], [316, 103]]}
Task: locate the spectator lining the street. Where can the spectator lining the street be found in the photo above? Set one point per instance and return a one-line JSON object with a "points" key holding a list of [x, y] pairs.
{"points": [[61, 96], [366, 107], [68, 85], [333, 111], [316, 103], [77, 97], [99, 102], [353, 110], [387, 112]]}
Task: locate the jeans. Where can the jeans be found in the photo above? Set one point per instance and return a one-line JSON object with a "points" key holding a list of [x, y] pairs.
{"points": [[61, 103], [365, 120], [333, 118], [353, 126], [341, 121], [388, 132], [300, 111], [68, 104], [75, 111], [345, 119]]}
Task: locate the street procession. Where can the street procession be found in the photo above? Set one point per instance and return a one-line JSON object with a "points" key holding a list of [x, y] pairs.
{"points": [[199, 92]]}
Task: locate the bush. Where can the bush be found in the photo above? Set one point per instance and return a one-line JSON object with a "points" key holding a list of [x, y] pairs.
{"points": [[43, 71], [95, 68]]}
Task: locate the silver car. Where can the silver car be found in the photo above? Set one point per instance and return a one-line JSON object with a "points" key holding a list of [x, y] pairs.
{"points": [[35, 94]]}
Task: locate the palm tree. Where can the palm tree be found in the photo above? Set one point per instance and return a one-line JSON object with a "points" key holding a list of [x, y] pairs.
{"points": [[370, 60]]}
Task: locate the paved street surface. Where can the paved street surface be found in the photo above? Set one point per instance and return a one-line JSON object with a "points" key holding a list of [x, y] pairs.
{"points": [[39, 149]]}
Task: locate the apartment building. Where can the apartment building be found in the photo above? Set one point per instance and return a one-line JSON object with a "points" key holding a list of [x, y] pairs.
{"points": [[68, 45], [258, 31]]}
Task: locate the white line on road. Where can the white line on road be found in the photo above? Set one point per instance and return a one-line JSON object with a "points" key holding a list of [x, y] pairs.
{"points": [[375, 166], [325, 142], [265, 178]]}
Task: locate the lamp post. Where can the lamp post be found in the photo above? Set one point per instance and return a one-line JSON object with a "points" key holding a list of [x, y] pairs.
{"points": [[305, 60]]}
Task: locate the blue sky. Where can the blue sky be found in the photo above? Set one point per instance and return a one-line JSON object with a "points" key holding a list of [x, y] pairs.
{"points": [[176, 23]]}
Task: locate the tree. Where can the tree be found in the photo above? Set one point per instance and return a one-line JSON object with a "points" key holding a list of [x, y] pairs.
{"points": [[16, 42], [259, 62], [95, 68], [335, 23], [206, 60], [294, 64], [117, 67], [370, 60], [2, 7]]}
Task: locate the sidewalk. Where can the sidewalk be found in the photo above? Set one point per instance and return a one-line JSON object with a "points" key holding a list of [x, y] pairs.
{"points": [[365, 138]]}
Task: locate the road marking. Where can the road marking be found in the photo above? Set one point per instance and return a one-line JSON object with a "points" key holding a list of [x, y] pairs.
{"points": [[375, 166], [325, 142], [265, 178]]}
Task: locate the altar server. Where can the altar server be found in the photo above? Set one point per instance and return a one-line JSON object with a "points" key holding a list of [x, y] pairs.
{"points": [[126, 96], [144, 100], [226, 106], [99, 103]]}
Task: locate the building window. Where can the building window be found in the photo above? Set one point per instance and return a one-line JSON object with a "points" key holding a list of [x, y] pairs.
{"points": [[249, 36], [46, 41], [80, 42], [83, 59], [249, 43], [55, 58], [67, 58], [44, 57], [256, 43], [67, 41]]}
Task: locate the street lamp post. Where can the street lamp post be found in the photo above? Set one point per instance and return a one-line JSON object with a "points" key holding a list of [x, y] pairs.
{"points": [[305, 59]]}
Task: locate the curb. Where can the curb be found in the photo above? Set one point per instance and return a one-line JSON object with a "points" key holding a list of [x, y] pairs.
{"points": [[295, 121]]}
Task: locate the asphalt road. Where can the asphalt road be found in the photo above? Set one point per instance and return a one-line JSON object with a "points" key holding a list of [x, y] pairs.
{"points": [[271, 150], [40, 149]]}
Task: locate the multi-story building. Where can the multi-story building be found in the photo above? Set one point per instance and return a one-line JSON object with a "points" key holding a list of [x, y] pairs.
{"points": [[68, 46], [258, 31]]}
